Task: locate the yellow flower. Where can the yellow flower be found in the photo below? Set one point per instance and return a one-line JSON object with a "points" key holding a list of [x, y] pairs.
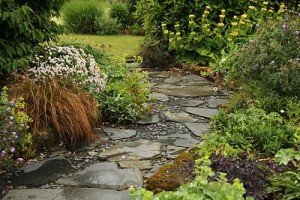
{"points": [[282, 6], [265, 2], [244, 16], [235, 17], [207, 7], [252, 7], [234, 23], [222, 16], [242, 22], [193, 33], [223, 11], [171, 33], [178, 33], [163, 25], [281, 10], [166, 32], [271, 11], [179, 38], [191, 16], [191, 22], [171, 40], [206, 12], [263, 9], [229, 39], [176, 25], [181, 46], [235, 33], [221, 24]]}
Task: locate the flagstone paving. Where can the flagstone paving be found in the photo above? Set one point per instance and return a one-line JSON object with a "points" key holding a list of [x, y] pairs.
{"points": [[126, 156]]}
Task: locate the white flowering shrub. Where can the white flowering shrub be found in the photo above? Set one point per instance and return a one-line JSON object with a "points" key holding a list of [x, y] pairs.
{"points": [[68, 63]]}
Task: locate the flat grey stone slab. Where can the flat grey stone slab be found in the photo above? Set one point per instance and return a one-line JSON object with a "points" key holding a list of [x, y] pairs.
{"points": [[149, 119], [179, 140], [117, 134], [203, 112], [162, 74], [174, 151], [192, 103], [160, 97], [179, 117], [193, 77], [197, 128], [106, 176], [187, 91], [42, 172], [214, 102], [136, 150], [67, 194], [173, 79], [141, 164]]}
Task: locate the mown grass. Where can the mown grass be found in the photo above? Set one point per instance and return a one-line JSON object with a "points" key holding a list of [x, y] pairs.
{"points": [[120, 45]]}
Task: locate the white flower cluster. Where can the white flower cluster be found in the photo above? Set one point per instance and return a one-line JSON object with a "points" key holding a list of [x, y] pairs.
{"points": [[70, 63]]}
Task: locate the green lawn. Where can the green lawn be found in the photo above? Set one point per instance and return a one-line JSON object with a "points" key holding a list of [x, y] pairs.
{"points": [[121, 45]]}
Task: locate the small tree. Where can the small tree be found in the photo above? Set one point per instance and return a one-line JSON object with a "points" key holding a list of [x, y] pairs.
{"points": [[25, 24]]}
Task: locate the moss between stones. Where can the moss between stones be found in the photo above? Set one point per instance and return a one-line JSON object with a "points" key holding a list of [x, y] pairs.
{"points": [[171, 176]]}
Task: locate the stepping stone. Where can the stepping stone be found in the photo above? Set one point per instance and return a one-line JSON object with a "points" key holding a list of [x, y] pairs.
{"points": [[160, 97], [197, 128], [179, 140], [141, 164], [179, 117], [193, 77], [203, 112], [150, 119], [117, 134], [136, 150], [67, 194], [172, 80], [187, 91], [174, 151], [192, 103], [42, 172], [162, 74], [214, 102], [104, 176]]}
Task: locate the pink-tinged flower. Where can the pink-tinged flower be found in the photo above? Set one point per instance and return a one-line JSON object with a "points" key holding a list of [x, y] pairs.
{"points": [[20, 160], [12, 149], [11, 118], [11, 103], [2, 154]]}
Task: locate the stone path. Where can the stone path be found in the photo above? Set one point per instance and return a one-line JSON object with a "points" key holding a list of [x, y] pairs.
{"points": [[182, 108]]}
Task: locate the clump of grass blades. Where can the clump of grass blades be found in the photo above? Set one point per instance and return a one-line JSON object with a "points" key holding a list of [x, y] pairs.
{"points": [[71, 113]]}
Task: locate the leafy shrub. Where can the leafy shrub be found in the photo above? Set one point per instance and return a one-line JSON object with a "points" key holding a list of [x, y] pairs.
{"points": [[136, 29], [206, 35], [253, 129], [16, 141], [108, 26], [67, 63], [59, 109], [126, 90], [155, 55], [120, 11], [286, 185], [25, 24], [200, 188], [82, 16], [270, 59]]}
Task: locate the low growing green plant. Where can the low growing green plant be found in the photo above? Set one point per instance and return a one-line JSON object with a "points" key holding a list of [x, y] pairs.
{"points": [[200, 188], [269, 60], [255, 130], [120, 12], [286, 185], [16, 141]]}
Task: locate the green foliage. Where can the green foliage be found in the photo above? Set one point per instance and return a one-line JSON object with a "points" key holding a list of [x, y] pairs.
{"points": [[16, 141], [82, 16], [25, 24], [286, 185], [200, 188], [255, 130], [270, 60], [205, 36], [109, 26], [125, 92], [120, 11]]}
